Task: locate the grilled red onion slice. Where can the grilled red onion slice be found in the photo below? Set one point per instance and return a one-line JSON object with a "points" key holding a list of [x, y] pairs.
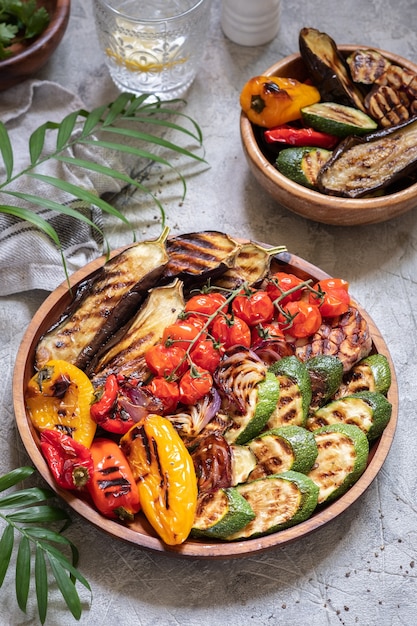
{"points": [[237, 377]]}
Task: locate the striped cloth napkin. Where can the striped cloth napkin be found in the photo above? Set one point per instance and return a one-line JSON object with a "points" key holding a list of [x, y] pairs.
{"points": [[28, 258]]}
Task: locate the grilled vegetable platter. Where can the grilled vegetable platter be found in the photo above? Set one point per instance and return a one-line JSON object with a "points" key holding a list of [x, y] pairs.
{"points": [[347, 127], [205, 396]]}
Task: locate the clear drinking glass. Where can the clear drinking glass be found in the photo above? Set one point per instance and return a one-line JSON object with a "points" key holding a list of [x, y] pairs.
{"points": [[153, 46]]}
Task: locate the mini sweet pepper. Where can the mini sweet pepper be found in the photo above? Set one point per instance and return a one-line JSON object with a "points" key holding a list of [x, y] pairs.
{"points": [[58, 397], [270, 101]]}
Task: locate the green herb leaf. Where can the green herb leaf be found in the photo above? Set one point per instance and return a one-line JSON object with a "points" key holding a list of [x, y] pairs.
{"points": [[14, 477], [6, 151], [41, 583], [23, 573], [6, 548], [25, 497], [66, 586], [37, 514]]}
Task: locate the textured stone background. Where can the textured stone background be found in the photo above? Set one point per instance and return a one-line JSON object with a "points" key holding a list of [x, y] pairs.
{"points": [[358, 569]]}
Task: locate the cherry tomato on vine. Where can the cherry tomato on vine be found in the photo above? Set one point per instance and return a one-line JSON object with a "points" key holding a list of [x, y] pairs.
{"points": [[195, 384], [206, 304], [230, 331], [167, 391], [332, 298], [301, 318], [253, 308], [265, 332], [183, 332], [165, 360], [280, 283], [206, 354]]}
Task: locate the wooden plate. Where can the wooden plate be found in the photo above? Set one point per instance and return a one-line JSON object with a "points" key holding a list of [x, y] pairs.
{"points": [[140, 533]]}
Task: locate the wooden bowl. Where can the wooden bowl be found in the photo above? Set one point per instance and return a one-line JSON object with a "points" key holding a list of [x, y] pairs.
{"points": [[28, 59], [313, 204], [140, 533]]}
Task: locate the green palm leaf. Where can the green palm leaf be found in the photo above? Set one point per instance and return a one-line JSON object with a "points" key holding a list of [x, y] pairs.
{"points": [[6, 549], [41, 583], [66, 586], [29, 508], [22, 582], [121, 118]]}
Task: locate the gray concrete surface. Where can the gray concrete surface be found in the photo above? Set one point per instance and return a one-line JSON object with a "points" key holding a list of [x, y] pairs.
{"points": [[358, 569]]}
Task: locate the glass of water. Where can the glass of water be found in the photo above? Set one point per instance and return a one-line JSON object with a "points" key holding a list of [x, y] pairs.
{"points": [[153, 46]]}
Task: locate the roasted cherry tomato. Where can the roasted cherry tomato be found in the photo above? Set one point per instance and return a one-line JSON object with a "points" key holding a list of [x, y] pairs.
{"points": [[167, 391], [253, 307], [265, 332], [282, 283], [166, 360], [332, 297], [195, 384], [184, 332], [207, 354], [300, 318], [206, 304], [230, 331]]}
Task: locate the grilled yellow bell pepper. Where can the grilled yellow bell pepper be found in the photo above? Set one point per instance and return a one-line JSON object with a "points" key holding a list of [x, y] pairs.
{"points": [[165, 475], [58, 397], [270, 101]]}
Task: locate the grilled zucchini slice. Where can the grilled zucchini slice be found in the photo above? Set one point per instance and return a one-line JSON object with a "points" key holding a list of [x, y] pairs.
{"points": [[369, 410], [302, 164], [278, 501], [221, 513], [294, 393], [338, 119], [282, 449], [372, 373], [326, 376], [343, 451], [259, 398]]}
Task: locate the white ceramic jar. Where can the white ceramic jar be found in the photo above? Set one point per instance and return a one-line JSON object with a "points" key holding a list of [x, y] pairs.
{"points": [[250, 22]]}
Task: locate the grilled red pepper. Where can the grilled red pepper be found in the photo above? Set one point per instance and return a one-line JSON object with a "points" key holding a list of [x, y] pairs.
{"points": [[113, 487], [293, 136], [107, 412], [69, 460]]}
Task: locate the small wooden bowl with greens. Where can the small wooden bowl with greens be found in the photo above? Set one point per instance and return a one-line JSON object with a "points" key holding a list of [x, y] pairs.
{"points": [[333, 194], [30, 32]]}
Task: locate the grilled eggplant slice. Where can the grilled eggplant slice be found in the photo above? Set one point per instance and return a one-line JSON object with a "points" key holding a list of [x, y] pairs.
{"points": [[126, 355], [362, 166], [251, 266], [196, 257], [103, 304], [343, 451], [278, 501], [328, 69]]}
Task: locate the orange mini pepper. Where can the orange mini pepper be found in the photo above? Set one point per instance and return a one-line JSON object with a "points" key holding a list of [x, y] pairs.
{"points": [[112, 486], [270, 101], [58, 397], [165, 475]]}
